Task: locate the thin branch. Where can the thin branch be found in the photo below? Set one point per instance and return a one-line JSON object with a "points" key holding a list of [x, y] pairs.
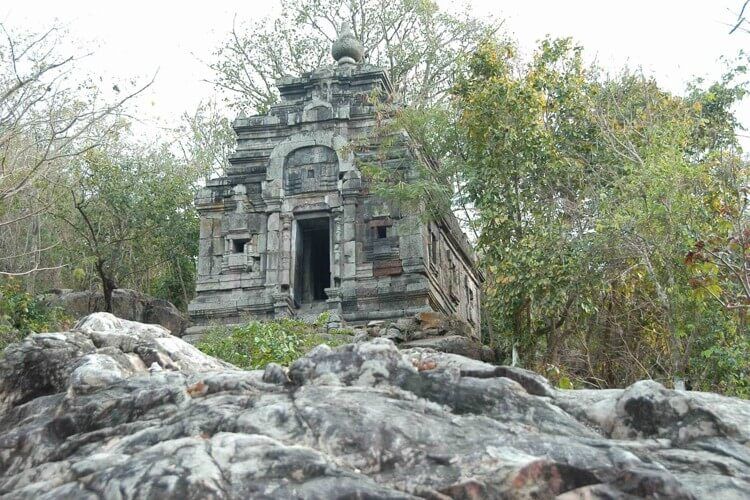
{"points": [[32, 271], [740, 17]]}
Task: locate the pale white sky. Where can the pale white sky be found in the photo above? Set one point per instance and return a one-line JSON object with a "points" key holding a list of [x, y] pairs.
{"points": [[674, 40]]}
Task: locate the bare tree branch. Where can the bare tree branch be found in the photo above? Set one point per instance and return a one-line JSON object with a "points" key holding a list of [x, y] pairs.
{"points": [[740, 17]]}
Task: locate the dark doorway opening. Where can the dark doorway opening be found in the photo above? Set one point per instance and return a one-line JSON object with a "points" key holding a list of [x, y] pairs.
{"points": [[313, 260]]}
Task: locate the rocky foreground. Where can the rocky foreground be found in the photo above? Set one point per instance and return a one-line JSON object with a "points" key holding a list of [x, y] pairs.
{"points": [[116, 409]]}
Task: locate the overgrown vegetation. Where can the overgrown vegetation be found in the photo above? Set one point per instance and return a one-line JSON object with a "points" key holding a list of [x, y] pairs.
{"points": [[83, 203], [256, 343], [610, 215], [21, 313]]}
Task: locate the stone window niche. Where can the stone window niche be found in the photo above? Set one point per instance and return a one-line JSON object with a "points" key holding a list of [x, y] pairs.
{"points": [[310, 169], [434, 249], [239, 244], [470, 306], [382, 242]]}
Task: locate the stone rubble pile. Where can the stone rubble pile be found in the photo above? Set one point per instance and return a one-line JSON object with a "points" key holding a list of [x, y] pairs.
{"points": [[117, 409], [429, 330]]}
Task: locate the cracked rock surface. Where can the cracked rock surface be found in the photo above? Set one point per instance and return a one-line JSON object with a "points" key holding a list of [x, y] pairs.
{"points": [[117, 409]]}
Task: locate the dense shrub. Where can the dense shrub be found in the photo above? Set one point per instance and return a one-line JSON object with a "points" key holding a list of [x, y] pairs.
{"points": [[257, 343], [21, 313]]}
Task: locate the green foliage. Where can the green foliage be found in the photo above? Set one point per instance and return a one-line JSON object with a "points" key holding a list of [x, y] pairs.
{"points": [[52, 112], [410, 183], [726, 368], [21, 313], [257, 343], [176, 281], [133, 221], [587, 193], [206, 139]]}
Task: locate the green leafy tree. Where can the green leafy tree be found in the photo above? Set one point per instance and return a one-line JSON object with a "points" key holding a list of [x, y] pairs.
{"points": [[589, 191], [586, 192], [206, 139], [131, 212], [526, 141], [49, 114]]}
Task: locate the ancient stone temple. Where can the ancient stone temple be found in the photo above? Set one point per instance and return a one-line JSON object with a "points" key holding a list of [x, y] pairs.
{"points": [[292, 229]]}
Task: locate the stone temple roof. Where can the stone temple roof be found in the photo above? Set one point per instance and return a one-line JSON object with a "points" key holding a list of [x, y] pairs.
{"points": [[293, 228]]}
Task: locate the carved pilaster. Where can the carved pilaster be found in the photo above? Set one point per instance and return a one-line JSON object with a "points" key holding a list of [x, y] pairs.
{"points": [[334, 299], [285, 266], [283, 306], [337, 225]]}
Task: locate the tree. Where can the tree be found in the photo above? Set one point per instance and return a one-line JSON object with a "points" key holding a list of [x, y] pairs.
{"points": [[206, 139], [414, 40], [586, 193], [48, 116], [526, 139], [131, 210], [589, 191], [720, 259], [741, 20]]}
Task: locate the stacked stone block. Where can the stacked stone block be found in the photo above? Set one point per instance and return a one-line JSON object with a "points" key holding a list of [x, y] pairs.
{"points": [[302, 161]]}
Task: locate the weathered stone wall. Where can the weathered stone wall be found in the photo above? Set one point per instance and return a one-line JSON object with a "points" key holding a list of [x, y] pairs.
{"points": [[453, 280], [296, 164]]}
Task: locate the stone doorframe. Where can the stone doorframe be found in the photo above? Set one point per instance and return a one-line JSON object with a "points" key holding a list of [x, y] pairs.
{"points": [[295, 241]]}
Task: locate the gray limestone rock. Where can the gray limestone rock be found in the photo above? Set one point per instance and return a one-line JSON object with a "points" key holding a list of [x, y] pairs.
{"points": [[406, 324], [116, 409], [436, 331], [455, 344], [360, 336], [275, 374], [394, 334]]}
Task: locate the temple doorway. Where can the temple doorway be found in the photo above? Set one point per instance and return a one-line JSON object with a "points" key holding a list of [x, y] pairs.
{"points": [[312, 273]]}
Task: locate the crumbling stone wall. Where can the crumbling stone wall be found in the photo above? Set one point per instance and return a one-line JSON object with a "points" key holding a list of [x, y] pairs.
{"points": [[297, 164]]}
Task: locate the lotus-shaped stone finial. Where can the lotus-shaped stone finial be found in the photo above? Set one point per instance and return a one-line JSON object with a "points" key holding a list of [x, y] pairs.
{"points": [[347, 49]]}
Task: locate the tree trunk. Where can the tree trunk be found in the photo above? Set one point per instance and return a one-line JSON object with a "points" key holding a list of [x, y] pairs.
{"points": [[108, 284], [553, 346]]}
